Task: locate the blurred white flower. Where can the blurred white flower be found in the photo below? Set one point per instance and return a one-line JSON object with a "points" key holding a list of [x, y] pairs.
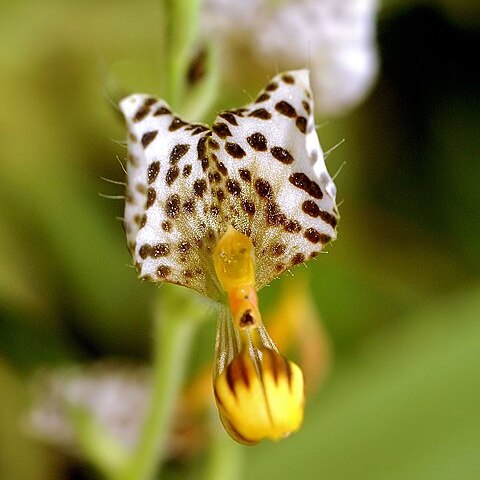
{"points": [[335, 38], [116, 395], [231, 18]]}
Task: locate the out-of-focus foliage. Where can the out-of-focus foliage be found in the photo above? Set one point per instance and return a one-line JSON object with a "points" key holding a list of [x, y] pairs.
{"points": [[405, 406], [398, 292]]}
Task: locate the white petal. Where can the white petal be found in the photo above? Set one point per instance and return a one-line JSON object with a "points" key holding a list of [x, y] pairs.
{"points": [[261, 170], [168, 221], [288, 186]]}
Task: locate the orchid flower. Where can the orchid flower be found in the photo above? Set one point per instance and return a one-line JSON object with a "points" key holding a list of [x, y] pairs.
{"points": [[224, 211]]}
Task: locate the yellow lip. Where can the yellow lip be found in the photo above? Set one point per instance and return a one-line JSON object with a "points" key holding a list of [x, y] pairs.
{"points": [[260, 403]]}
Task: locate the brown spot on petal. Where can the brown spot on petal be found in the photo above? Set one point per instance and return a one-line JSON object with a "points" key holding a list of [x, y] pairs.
{"points": [[301, 123], [312, 235], [222, 168], [196, 69], [274, 216], [324, 238], [257, 141], [152, 171], [178, 152], [262, 98], [188, 206], [285, 109], [184, 247], [160, 250], [164, 271], [188, 274], [263, 188], [172, 175], [151, 196], [137, 219], [199, 129], [233, 187], [133, 160], [187, 170], [172, 206], [141, 188], [205, 163], [245, 174], [328, 218], [229, 117], [311, 208], [144, 251], [222, 130], [235, 150], [176, 124], [302, 181], [292, 226], [148, 138], [162, 111], [298, 258], [282, 155], [202, 148], [200, 187], [278, 249], [220, 195], [279, 267], [261, 113], [249, 207], [142, 112], [213, 144], [272, 86], [239, 111]]}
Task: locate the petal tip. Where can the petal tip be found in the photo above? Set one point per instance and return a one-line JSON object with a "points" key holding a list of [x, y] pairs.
{"points": [[130, 105]]}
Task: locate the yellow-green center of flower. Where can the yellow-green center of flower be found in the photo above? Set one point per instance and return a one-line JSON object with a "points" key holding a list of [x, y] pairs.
{"points": [[259, 394]]}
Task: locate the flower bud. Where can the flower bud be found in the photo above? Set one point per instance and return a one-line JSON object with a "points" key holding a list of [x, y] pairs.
{"points": [[261, 397]]}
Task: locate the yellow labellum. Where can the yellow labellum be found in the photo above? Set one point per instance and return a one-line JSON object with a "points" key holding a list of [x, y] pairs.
{"points": [[259, 394], [256, 404]]}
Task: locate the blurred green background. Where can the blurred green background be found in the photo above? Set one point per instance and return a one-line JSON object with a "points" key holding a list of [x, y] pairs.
{"points": [[399, 292]]}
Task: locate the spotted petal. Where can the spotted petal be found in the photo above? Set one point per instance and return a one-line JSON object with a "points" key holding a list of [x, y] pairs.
{"points": [[168, 221], [260, 169], [281, 193]]}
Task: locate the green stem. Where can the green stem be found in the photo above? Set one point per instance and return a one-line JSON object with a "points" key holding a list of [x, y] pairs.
{"points": [[102, 450], [225, 457], [199, 100], [176, 320], [181, 32]]}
